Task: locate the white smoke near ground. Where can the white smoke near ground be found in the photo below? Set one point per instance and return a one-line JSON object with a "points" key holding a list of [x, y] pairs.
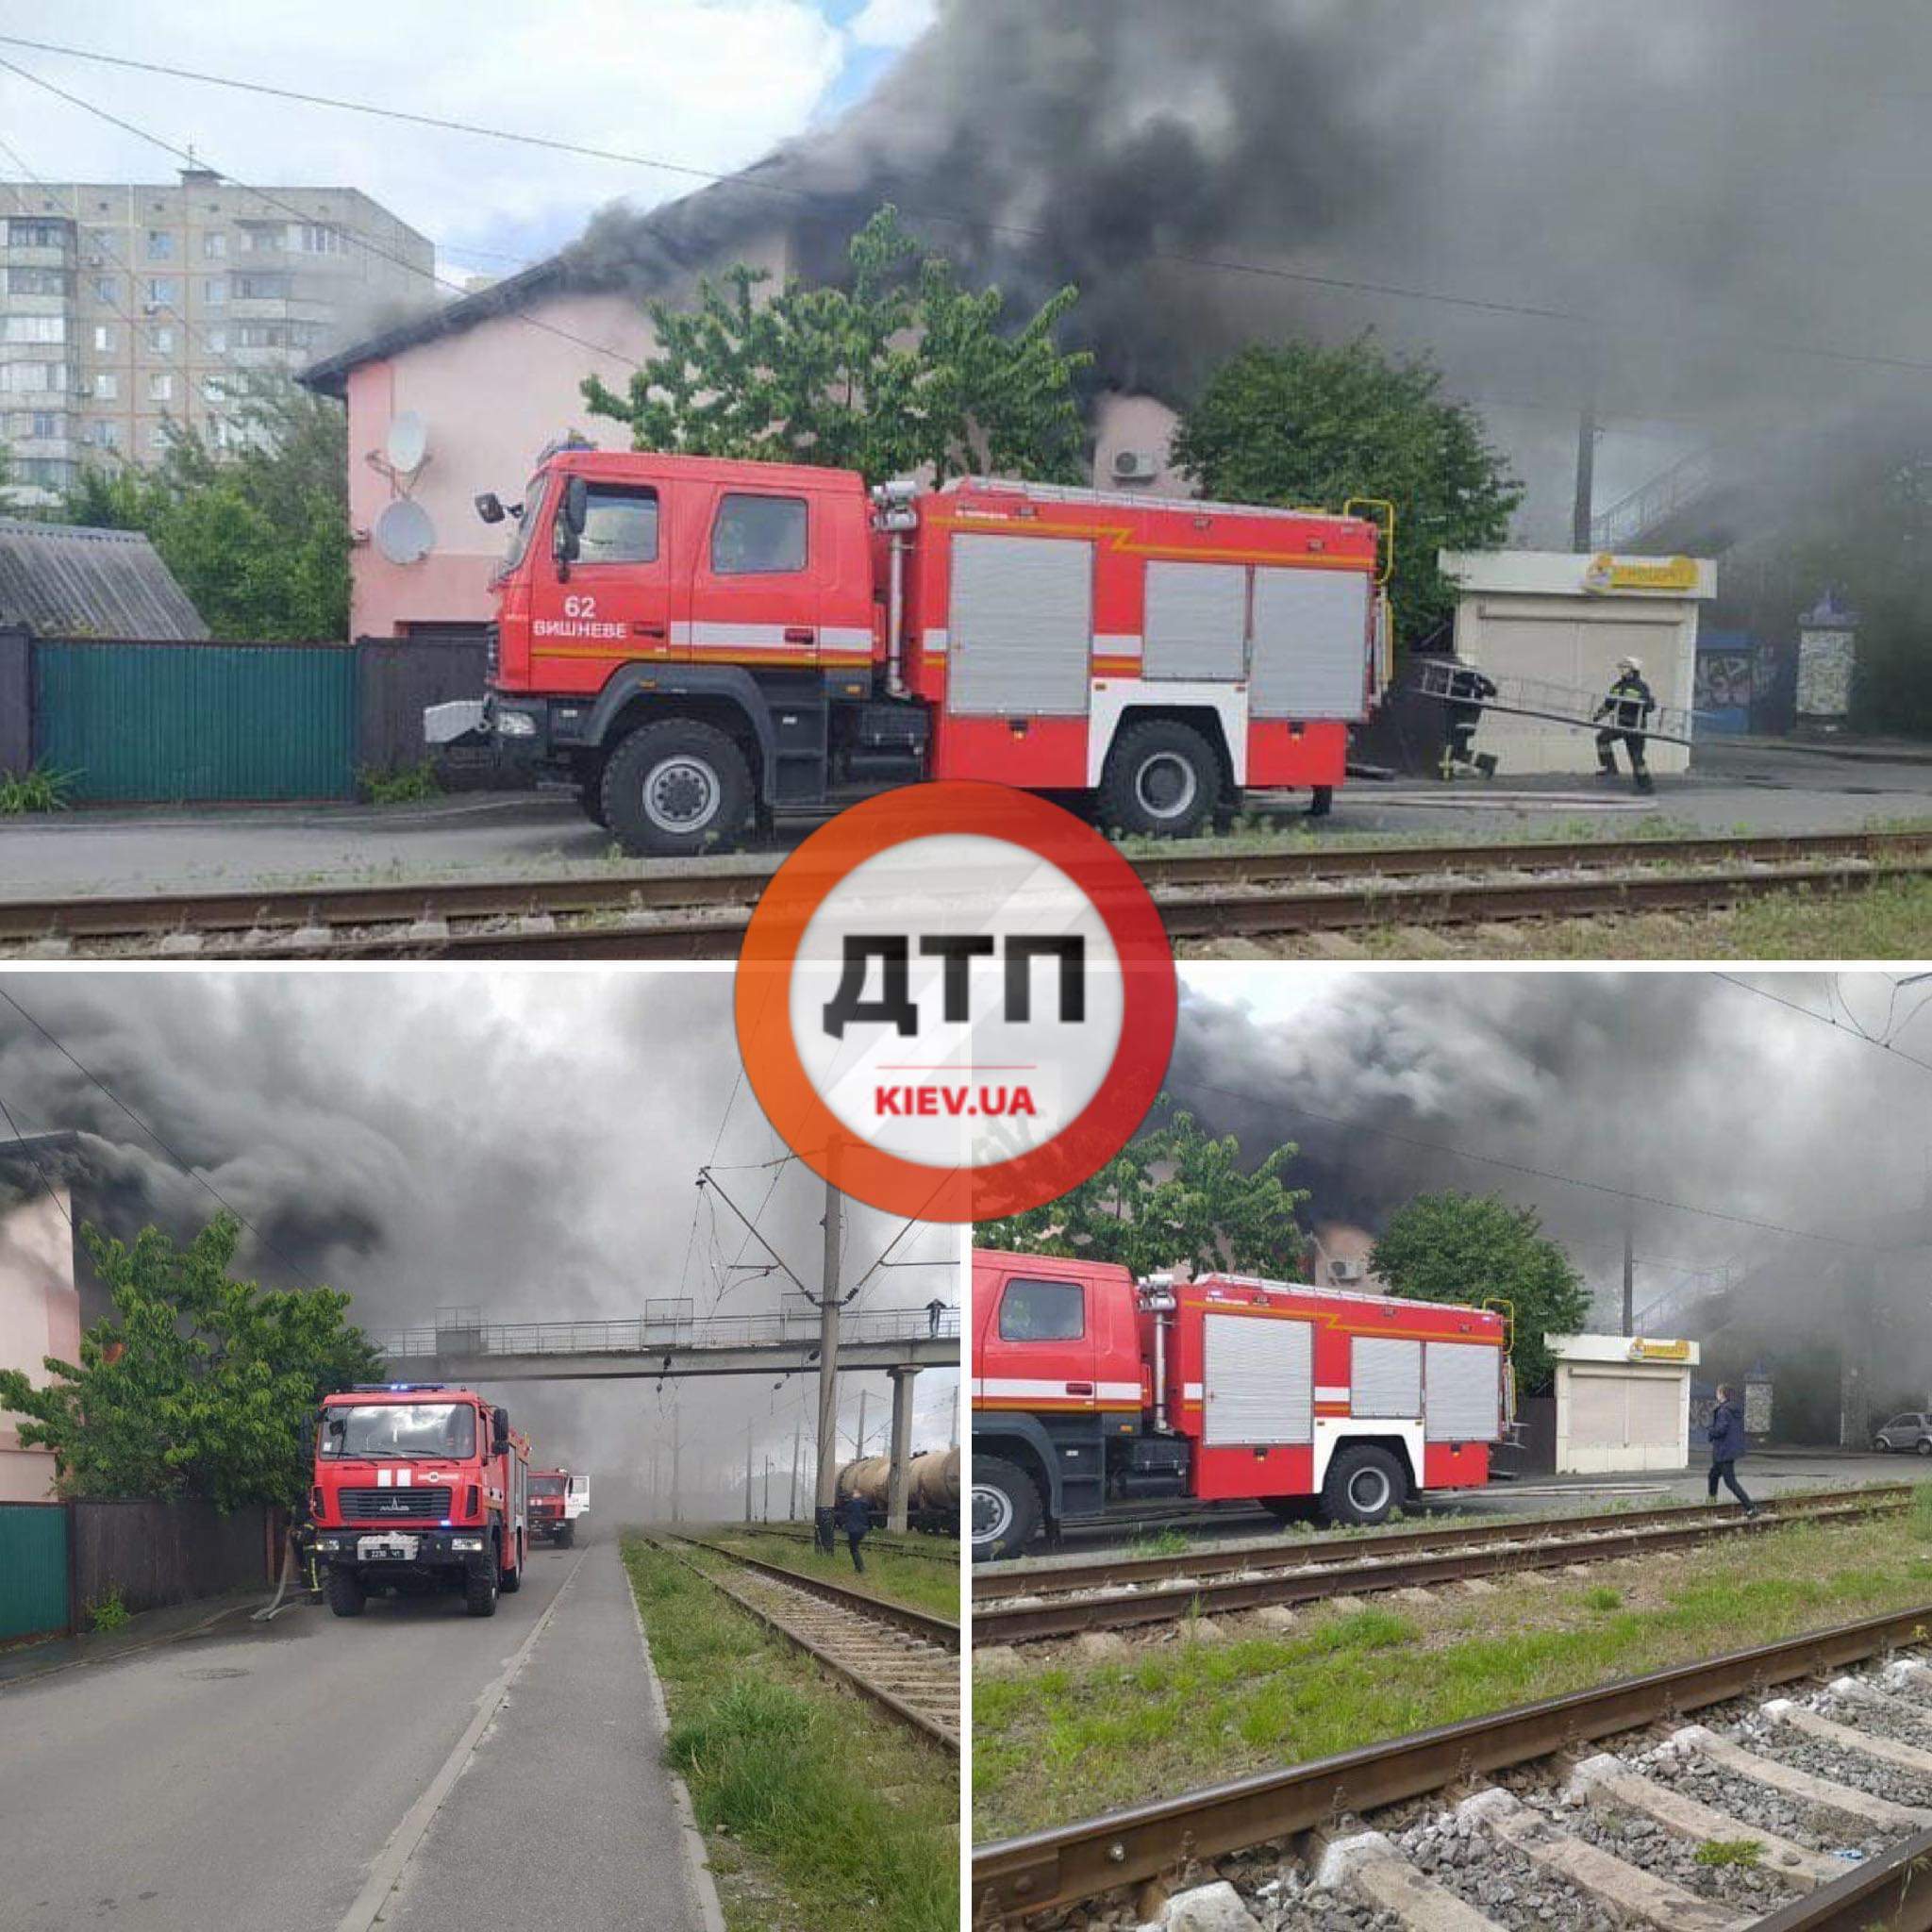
{"points": [[526, 1146]]}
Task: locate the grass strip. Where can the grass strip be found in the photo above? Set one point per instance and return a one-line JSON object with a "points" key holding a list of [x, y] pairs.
{"points": [[1061, 1741], [891, 1574], [821, 1814]]}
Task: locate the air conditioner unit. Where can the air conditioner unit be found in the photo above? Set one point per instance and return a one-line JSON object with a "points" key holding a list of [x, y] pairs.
{"points": [[1349, 1269], [1134, 465]]}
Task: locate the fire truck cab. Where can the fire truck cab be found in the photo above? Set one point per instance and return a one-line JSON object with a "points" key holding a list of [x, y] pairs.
{"points": [[419, 1487], [697, 643], [1092, 1392], [558, 1499]]}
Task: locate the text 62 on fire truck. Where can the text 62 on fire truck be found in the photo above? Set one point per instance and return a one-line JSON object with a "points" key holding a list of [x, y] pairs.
{"points": [[419, 1487], [1092, 1391], [695, 643]]}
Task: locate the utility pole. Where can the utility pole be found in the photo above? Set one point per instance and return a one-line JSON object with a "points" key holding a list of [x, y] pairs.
{"points": [[901, 1448], [768, 1487], [797, 1437], [826, 1496], [654, 1480], [747, 1468], [1585, 470], [1629, 1276], [858, 1448], [677, 1451]]}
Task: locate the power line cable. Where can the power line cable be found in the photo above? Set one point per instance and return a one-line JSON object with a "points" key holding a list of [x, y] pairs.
{"points": [[27, 1148], [289, 208], [1847, 1031], [1221, 265], [179, 1160]]}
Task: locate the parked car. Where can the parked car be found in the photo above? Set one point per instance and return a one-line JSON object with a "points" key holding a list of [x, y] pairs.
{"points": [[1913, 1430]]}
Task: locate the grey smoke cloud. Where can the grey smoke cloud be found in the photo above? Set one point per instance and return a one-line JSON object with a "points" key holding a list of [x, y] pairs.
{"points": [[522, 1144], [1707, 185], [1676, 1086]]}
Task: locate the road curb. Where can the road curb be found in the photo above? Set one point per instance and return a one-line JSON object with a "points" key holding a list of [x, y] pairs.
{"points": [[697, 1856], [108, 1655]]}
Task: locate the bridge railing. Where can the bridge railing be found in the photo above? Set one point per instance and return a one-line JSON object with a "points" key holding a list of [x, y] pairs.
{"points": [[642, 1335]]}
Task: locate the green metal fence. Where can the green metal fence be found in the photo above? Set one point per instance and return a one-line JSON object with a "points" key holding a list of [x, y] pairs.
{"points": [[33, 1570], [168, 722]]}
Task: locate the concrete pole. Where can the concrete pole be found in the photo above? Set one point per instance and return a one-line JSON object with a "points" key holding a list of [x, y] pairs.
{"points": [[748, 1470], [653, 1511], [826, 1490], [677, 1452], [1586, 480], [767, 1488], [1629, 1278], [901, 1448], [859, 1446], [797, 1438]]}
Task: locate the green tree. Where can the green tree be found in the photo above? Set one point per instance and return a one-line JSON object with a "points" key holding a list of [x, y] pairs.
{"points": [[257, 533], [1299, 423], [902, 371], [1173, 1194], [198, 1384], [1470, 1248]]}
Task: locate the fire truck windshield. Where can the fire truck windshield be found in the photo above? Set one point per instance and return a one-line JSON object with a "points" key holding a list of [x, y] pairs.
{"points": [[519, 537], [440, 1429], [546, 1486]]}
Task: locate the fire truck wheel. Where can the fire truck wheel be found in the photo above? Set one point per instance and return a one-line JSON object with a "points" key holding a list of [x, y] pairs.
{"points": [[1006, 1509], [591, 801], [675, 789], [1363, 1485], [511, 1580], [479, 1591], [1162, 778], [344, 1591]]}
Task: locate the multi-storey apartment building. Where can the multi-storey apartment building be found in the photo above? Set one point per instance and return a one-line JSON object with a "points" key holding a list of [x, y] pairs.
{"points": [[123, 307]]}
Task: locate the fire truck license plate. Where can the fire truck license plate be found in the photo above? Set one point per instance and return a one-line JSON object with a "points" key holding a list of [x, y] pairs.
{"points": [[386, 1549]]}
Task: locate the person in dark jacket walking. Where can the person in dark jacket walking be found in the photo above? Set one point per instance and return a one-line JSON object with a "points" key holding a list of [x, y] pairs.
{"points": [[858, 1518], [1624, 714], [1726, 1434]]}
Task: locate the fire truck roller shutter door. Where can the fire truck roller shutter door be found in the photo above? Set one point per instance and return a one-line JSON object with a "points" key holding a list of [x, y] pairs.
{"points": [[1197, 621], [1020, 627], [1463, 1391], [1310, 653], [1386, 1377], [1261, 1381]]}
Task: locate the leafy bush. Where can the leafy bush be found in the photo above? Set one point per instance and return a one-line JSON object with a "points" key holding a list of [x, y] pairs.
{"points": [[405, 785], [107, 1613], [40, 787]]}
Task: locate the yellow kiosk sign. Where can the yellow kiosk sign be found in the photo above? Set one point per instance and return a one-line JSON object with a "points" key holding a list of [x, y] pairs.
{"points": [[1642, 1351], [1606, 573]]}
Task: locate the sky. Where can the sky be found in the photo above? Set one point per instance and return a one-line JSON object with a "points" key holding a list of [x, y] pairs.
{"points": [[707, 84], [527, 1144]]}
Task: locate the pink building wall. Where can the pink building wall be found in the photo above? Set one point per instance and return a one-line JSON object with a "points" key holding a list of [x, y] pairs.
{"points": [[40, 1315], [490, 396]]}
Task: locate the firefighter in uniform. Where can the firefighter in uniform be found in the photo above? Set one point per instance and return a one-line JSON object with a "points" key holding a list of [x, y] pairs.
{"points": [[1468, 688], [1623, 713]]}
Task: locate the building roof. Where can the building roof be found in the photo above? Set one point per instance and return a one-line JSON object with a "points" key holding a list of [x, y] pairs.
{"points": [[60, 580]]}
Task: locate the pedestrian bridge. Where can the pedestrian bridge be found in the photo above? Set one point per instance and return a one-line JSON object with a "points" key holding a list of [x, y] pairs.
{"points": [[668, 1340]]}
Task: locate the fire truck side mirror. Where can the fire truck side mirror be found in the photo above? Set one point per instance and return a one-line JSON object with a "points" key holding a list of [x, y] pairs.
{"points": [[499, 1432], [310, 1424], [490, 506]]}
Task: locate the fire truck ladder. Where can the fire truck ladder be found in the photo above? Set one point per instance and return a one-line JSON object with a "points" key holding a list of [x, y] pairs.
{"points": [[1562, 704]]}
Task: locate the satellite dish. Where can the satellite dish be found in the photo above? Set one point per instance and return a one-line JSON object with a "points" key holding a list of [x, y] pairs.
{"points": [[409, 441], [404, 533]]}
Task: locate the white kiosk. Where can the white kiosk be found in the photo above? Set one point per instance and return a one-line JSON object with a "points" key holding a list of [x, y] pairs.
{"points": [[1622, 1402]]}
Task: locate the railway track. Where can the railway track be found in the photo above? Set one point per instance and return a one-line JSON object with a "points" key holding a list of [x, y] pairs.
{"points": [[902, 1659], [1126, 1592], [1605, 1808], [700, 912], [907, 1546]]}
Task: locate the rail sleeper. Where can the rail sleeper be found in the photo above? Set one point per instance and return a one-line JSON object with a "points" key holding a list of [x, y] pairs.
{"points": [[1843, 1801], [1783, 1711], [1604, 1779], [1624, 1888], [1369, 1865]]}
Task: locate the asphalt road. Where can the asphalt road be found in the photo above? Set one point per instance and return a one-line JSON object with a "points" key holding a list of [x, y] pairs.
{"points": [[257, 1777], [1769, 789]]}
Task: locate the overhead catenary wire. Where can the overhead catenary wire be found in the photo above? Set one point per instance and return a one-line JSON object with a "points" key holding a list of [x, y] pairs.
{"points": [[753, 182], [1848, 1030]]}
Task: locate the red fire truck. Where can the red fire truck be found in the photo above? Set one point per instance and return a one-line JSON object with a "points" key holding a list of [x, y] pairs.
{"points": [[419, 1487], [698, 643], [558, 1498], [1092, 1391]]}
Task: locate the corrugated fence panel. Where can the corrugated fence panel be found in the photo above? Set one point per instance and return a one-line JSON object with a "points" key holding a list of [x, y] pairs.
{"points": [[165, 1552], [171, 723], [33, 1570]]}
